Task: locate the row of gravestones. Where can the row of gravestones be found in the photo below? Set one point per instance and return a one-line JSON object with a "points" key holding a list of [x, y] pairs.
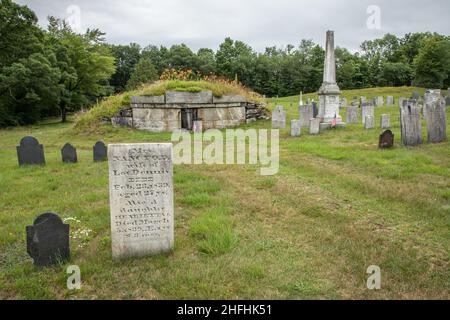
{"points": [[147, 191], [30, 152]]}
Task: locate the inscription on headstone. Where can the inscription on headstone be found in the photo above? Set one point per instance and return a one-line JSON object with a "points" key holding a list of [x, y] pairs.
{"points": [[367, 109], [141, 199], [100, 151], [314, 126], [30, 152], [385, 121], [69, 153], [386, 140], [352, 114], [306, 113], [48, 240], [410, 125], [295, 128], [434, 112], [369, 123]]}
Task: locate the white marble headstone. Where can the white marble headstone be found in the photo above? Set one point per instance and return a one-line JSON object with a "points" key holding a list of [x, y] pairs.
{"points": [[141, 199]]}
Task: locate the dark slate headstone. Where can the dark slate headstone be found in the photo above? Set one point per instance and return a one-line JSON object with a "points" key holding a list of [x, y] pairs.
{"points": [[100, 151], [30, 152], [386, 140], [315, 110], [69, 153], [48, 240], [447, 101]]}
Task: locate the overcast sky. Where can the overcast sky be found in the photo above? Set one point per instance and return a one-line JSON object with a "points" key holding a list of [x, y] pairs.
{"points": [[260, 23]]}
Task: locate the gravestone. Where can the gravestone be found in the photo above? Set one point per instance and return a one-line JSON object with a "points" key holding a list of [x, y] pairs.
{"points": [[401, 101], [48, 240], [197, 126], [447, 101], [415, 96], [100, 151], [367, 109], [410, 125], [432, 96], [279, 108], [30, 152], [352, 114], [295, 128], [279, 119], [362, 99], [314, 126], [369, 123], [315, 109], [434, 112], [141, 199], [306, 113], [343, 103], [386, 140], [378, 101], [385, 121], [69, 153], [390, 101]]}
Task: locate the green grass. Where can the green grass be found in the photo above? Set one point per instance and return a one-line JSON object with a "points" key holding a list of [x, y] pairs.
{"points": [[337, 206]]}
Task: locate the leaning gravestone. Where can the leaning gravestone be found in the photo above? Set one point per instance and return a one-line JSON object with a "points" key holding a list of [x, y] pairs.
{"points": [[385, 121], [369, 123], [69, 153], [352, 114], [48, 240], [295, 128], [314, 126], [141, 199], [306, 113], [100, 151], [386, 140], [410, 125], [30, 152], [367, 109], [434, 112]]}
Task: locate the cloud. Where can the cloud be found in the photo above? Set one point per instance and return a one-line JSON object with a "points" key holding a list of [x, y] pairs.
{"points": [[260, 23]]}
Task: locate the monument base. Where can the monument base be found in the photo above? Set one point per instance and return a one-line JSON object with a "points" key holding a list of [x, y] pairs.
{"points": [[327, 125]]}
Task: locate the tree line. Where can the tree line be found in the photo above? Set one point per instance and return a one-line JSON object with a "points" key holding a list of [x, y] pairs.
{"points": [[53, 71]]}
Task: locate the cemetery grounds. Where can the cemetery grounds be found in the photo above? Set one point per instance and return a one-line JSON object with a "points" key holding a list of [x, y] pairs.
{"points": [[337, 206]]}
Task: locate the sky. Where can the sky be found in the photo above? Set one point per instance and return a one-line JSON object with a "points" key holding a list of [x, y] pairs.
{"points": [[259, 23]]}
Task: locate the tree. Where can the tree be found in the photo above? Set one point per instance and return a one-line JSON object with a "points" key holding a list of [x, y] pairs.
{"points": [[144, 72], [85, 62], [126, 57], [432, 63]]}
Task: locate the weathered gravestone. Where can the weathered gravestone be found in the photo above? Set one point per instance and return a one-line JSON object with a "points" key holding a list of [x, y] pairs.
{"points": [[432, 96], [386, 140], [410, 125], [343, 103], [401, 101], [369, 123], [367, 109], [48, 240], [30, 152], [362, 99], [385, 121], [295, 128], [100, 151], [352, 114], [378, 101], [434, 112], [314, 126], [279, 118], [141, 199], [69, 154], [390, 101], [306, 113], [415, 96]]}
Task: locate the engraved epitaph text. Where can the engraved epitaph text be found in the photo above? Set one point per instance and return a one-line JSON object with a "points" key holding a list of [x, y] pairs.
{"points": [[141, 199]]}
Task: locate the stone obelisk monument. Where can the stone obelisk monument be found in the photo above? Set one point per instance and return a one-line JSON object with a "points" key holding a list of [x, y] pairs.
{"points": [[329, 91]]}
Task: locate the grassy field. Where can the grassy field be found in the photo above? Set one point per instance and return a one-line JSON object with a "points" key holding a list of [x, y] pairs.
{"points": [[337, 206]]}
